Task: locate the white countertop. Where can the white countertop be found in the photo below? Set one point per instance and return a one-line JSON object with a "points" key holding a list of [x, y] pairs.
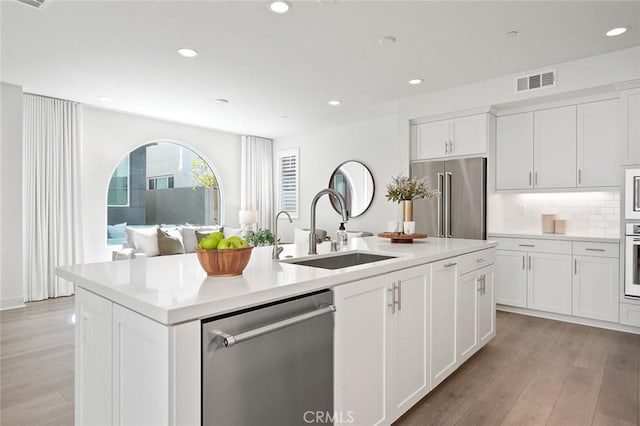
{"points": [[175, 289], [561, 237]]}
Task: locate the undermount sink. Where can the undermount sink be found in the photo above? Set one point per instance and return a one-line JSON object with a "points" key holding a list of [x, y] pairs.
{"points": [[341, 260]]}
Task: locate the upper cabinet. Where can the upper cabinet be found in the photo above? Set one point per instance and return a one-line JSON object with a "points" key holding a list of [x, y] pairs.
{"points": [[453, 137], [567, 147], [630, 124]]}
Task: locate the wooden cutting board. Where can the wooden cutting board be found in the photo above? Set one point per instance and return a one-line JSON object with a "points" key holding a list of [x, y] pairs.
{"points": [[399, 237]]}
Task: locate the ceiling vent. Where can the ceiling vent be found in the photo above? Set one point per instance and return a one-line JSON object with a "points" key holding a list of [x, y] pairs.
{"points": [[38, 4], [541, 80]]}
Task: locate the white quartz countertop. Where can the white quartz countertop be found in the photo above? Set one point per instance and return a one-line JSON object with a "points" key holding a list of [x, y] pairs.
{"points": [[561, 237], [175, 289]]}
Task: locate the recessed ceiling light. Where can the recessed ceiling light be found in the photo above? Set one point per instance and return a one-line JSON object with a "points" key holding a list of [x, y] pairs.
{"points": [[415, 81], [616, 31], [334, 102], [387, 40], [284, 117], [222, 101], [280, 6], [105, 99], [511, 34], [242, 127], [188, 53]]}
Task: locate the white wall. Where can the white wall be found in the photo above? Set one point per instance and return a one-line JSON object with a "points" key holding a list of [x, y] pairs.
{"points": [[108, 136], [11, 289], [372, 142]]}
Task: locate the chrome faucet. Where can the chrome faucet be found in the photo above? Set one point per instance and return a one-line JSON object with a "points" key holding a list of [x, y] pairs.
{"points": [[312, 231], [276, 249]]}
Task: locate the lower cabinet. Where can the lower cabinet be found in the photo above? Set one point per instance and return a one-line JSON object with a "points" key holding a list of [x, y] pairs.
{"points": [[549, 287], [475, 312], [381, 345], [443, 319], [511, 278], [596, 288], [130, 370]]}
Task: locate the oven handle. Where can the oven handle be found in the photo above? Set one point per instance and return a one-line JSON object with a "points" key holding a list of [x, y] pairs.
{"points": [[228, 340]]}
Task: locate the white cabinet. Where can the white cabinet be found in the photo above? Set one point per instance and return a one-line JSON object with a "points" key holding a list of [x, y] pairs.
{"points": [[598, 154], [453, 137], [535, 274], [596, 281], [511, 278], [381, 345], [630, 124], [92, 359], [443, 319], [554, 148], [549, 282], [132, 370], [475, 311], [514, 151]]}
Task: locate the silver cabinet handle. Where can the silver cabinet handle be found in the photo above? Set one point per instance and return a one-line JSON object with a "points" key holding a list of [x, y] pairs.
{"points": [[579, 176], [450, 146], [575, 266], [484, 283], [593, 249], [523, 262], [449, 265], [228, 340], [529, 262], [447, 205], [399, 302], [440, 205], [392, 304], [536, 178], [530, 179], [481, 260], [526, 245], [446, 147]]}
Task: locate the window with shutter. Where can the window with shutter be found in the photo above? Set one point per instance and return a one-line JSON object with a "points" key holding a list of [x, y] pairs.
{"points": [[288, 180]]}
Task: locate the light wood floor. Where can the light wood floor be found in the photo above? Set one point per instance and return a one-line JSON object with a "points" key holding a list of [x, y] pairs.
{"points": [[535, 371]]}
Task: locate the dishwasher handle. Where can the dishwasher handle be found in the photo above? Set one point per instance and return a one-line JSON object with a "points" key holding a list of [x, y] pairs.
{"points": [[228, 340]]}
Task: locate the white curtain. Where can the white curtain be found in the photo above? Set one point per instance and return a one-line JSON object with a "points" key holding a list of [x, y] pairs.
{"points": [[53, 230], [257, 178]]}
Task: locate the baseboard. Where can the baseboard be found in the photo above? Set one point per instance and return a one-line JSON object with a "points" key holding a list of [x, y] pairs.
{"points": [[11, 303], [568, 318]]}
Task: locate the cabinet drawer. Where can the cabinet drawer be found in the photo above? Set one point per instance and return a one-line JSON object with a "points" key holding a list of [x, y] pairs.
{"points": [[630, 314], [595, 249], [479, 259], [529, 244]]}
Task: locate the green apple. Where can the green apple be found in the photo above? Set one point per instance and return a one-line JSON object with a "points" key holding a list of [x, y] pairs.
{"points": [[208, 243], [243, 244], [219, 235], [234, 238], [224, 243]]}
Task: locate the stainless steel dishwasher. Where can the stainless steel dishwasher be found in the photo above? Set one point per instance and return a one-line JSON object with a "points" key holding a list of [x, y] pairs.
{"points": [[269, 365]]}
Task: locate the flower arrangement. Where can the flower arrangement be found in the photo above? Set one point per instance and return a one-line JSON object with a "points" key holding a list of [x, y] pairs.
{"points": [[403, 188]]}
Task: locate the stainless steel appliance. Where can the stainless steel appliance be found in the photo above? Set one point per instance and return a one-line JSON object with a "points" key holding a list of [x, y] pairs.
{"points": [[461, 210], [632, 260], [269, 365], [632, 194]]}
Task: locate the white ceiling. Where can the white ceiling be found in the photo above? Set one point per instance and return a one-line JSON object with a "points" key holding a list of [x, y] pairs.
{"points": [[271, 65]]}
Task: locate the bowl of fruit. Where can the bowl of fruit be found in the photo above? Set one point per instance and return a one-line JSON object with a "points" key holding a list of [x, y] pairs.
{"points": [[223, 257]]}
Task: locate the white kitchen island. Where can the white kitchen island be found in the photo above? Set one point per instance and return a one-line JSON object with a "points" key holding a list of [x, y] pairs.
{"points": [[404, 324]]}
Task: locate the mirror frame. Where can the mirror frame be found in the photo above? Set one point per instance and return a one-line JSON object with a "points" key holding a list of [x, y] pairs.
{"points": [[334, 202]]}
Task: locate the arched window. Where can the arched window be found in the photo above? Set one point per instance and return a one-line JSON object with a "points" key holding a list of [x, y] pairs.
{"points": [[161, 183]]}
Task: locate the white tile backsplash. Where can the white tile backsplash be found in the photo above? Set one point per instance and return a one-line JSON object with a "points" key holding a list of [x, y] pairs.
{"points": [[587, 213]]}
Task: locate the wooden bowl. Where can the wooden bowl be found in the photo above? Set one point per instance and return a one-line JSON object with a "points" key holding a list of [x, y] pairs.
{"points": [[224, 262]]}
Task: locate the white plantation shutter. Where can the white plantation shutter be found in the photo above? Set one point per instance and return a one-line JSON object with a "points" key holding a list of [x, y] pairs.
{"points": [[288, 180]]}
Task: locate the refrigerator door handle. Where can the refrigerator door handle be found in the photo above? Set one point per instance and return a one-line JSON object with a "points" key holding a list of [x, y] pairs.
{"points": [[447, 205], [440, 204]]}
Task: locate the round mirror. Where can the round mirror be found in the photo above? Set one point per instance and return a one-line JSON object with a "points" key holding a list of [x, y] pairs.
{"points": [[354, 181]]}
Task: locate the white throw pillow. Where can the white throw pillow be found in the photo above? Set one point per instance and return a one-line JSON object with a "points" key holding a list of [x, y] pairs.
{"points": [[189, 236], [145, 239]]}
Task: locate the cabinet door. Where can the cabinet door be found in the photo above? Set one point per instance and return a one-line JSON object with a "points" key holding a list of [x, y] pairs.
{"points": [[630, 125], [554, 154], [595, 288], [511, 278], [362, 347], [469, 135], [92, 359], [466, 316], [443, 319], [598, 158], [410, 339], [486, 308], [549, 282], [140, 366], [432, 139], [514, 151]]}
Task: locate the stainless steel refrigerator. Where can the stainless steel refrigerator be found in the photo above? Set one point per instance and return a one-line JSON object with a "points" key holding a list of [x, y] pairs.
{"points": [[461, 210]]}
